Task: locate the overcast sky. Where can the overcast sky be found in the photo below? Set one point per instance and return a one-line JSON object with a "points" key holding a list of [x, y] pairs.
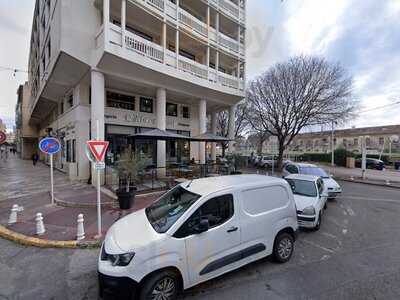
{"points": [[363, 35]]}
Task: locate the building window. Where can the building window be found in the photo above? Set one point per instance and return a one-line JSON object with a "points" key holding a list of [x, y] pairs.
{"points": [[70, 100], [61, 107], [185, 112], [68, 151], [172, 110], [73, 150], [355, 142], [381, 141], [146, 105], [117, 100]]}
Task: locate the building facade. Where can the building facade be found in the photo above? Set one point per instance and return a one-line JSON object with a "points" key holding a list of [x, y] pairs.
{"points": [[109, 69], [3, 126], [378, 139], [26, 135]]}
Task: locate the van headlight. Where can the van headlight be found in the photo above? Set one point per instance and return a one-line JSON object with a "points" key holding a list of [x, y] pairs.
{"points": [[121, 260], [310, 211]]}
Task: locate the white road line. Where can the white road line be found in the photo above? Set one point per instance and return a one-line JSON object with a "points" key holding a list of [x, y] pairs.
{"points": [[370, 199], [318, 246], [350, 211]]}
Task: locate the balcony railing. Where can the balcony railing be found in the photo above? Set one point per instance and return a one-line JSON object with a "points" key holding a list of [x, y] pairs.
{"points": [[156, 53], [192, 67], [228, 42], [192, 22], [229, 7]]}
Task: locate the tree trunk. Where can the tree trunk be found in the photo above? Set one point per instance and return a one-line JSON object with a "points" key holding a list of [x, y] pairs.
{"points": [[280, 157]]}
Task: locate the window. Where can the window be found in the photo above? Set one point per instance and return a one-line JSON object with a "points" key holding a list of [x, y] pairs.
{"points": [[315, 171], [265, 199], [292, 169], [381, 141], [217, 210], [172, 110], [48, 49], [320, 185], [355, 142], [68, 151], [146, 105], [70, 100], [73, 150], [117, 100], [303, 187], [163, 213], [185, 112], [61, 107]]}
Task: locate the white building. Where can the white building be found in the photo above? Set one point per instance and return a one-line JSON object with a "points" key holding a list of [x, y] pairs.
{"points": [[131, 65]]}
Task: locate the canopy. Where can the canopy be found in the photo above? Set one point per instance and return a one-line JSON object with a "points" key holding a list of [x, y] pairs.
{"points": [[158, 134], [210, 137]]}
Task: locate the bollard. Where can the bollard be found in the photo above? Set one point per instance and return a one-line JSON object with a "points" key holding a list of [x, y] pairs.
{"points": [[40, 230], [14, 214], [80, 230], [388, 182], [351, 178]]}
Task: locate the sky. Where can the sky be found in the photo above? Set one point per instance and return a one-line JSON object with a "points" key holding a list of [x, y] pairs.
{"points": [[362, 35]]}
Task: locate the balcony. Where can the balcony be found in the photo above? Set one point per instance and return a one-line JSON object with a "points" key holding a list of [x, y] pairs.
{"points": [[154, 52]]}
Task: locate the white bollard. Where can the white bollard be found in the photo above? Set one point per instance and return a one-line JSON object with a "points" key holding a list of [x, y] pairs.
{"points": [[13, 215], [40, 230], [80, 230], [388, 182], [351, 178]]}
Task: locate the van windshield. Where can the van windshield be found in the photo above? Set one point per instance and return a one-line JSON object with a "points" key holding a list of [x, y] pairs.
{"points": [[163, 213], [303, 187]]}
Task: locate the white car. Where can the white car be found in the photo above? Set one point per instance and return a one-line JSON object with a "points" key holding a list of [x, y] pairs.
{"points": [[199, 230], [310, 197], [332, 187]]}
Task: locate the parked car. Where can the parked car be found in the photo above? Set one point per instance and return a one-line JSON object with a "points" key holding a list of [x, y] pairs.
{"points": [[331, 185], [371, 163], [267, 162], [199, 230], [310, 196]]}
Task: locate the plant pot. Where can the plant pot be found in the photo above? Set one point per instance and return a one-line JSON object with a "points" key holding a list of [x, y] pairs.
{"points": [[126, 199]]}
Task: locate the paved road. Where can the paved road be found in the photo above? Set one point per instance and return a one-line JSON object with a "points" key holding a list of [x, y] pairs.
{"points": [[355, 255]]}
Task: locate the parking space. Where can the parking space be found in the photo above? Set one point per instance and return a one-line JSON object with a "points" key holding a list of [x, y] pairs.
{"points": [[354, 255]]}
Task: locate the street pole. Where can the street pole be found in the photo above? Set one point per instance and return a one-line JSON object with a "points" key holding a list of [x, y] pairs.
{"points": [[332, 145], [98, 189], [364, 158], [51, 179]]}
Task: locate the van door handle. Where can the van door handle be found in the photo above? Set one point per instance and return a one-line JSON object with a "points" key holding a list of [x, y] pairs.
{"points": [[232, 229]]}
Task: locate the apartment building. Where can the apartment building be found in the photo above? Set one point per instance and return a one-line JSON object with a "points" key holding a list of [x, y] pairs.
{"points": [[377, 139], [26, 135], [130, 66]]}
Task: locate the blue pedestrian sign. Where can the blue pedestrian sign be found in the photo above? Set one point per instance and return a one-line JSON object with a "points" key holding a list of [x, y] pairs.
{"points": [[50, 145]]}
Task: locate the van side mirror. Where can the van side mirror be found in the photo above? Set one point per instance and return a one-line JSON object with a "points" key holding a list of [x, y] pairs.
{"points": [[203, 226]]}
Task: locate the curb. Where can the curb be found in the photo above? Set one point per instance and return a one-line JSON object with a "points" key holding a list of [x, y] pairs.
{"points": [[368, 183], [42, 243]]}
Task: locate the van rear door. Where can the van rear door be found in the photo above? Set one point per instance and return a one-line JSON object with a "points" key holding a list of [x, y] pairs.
{"points": [[263, 209]]}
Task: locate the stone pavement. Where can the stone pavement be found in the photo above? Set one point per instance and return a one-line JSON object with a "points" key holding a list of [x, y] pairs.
{"points": [[28, 186]]}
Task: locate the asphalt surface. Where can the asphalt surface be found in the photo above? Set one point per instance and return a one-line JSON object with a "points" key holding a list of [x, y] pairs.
{"points": [[355, 255]]}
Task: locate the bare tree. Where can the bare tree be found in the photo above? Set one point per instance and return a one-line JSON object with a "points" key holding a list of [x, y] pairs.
{"points": [[304, 91], [241, 124], [257, 140]]}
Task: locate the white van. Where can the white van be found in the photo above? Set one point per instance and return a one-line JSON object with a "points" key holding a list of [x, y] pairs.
{"points": [[197, 231]]}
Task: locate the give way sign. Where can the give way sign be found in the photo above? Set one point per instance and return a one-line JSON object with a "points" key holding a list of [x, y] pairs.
{"points": [[98, 149]]}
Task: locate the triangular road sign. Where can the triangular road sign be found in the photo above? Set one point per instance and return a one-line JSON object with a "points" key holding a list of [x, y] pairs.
{"points": [[98, 149]]}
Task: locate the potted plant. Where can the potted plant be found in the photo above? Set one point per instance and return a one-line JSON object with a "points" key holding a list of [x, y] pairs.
{"points": [[128, 167]]}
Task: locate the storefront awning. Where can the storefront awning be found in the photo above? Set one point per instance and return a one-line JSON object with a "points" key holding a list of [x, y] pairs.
{"points": [[160, 135], [209, 137]]}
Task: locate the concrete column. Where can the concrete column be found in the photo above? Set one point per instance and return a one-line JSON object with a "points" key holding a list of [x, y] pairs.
{"points": [[231, 129], [161, 124], [217, 63], [208, 59], [164, 39], [106, 18], [202, 129], [97, 110], [214, 131], [123, 22], [177, 47]]}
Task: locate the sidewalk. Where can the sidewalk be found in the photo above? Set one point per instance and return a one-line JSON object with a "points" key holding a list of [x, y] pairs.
{"points": [[28, 186]]}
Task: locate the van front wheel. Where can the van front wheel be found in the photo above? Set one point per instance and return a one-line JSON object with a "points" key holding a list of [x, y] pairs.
{"points": [[283, 247], [163, 285]]}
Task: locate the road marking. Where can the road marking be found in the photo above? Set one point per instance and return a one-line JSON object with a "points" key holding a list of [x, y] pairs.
{"points": [[325, 257], [318, 246], [370, 199], [350, 211], [344, 231]]}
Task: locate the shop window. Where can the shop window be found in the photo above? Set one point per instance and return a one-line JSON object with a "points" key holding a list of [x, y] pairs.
{"points": [[185, 112], [146, 105], [172, 110], [117, 100]]}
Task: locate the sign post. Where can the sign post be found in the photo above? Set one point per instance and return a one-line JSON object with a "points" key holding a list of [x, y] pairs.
{"points": [[50, 146], [98, 149]]}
